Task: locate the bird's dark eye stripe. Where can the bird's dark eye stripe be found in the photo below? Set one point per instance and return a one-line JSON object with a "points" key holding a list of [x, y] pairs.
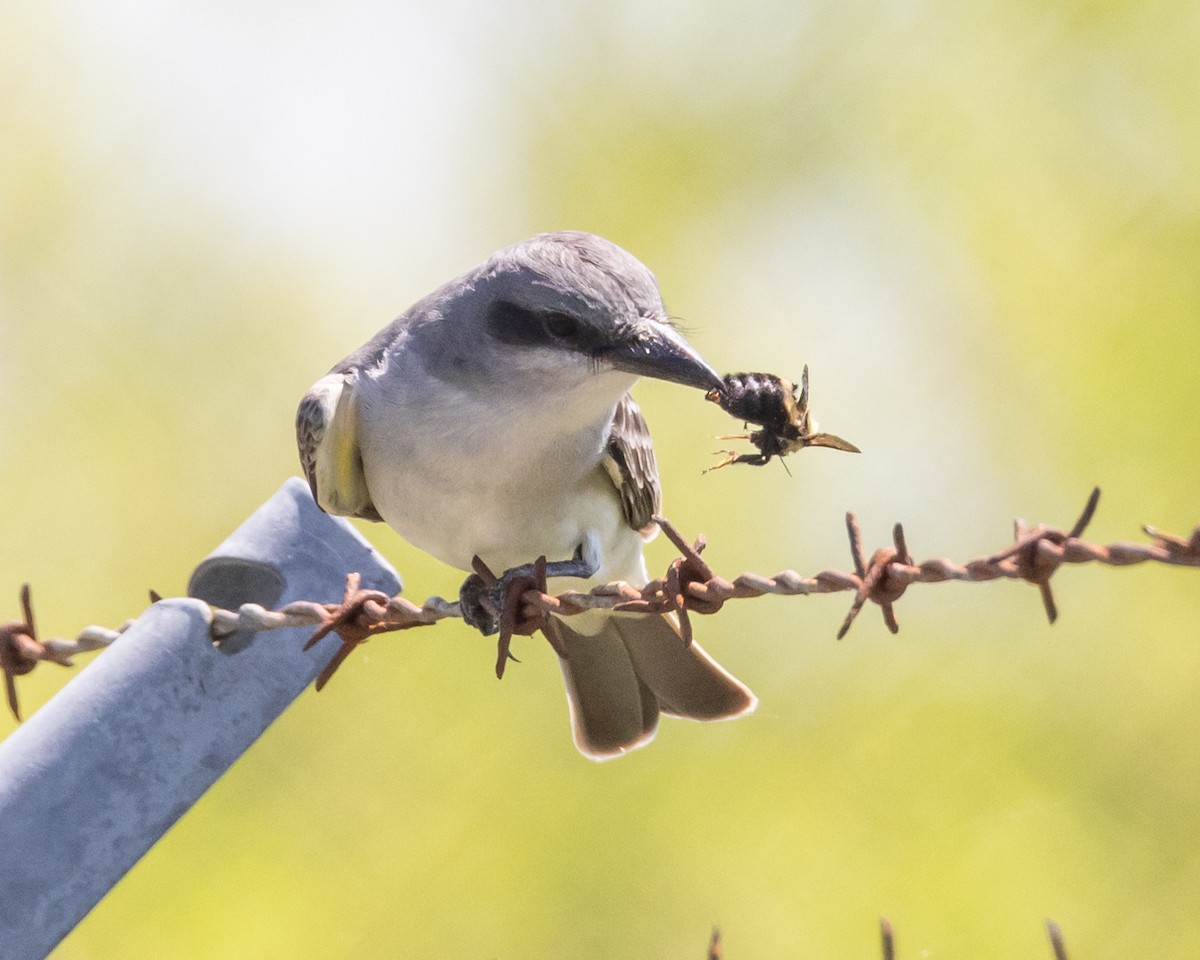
{"points": [[512, 323]]}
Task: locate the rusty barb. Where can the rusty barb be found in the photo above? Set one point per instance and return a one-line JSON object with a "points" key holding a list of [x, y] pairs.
{"points": [[21, 650], [688, 586], [887, 939]]}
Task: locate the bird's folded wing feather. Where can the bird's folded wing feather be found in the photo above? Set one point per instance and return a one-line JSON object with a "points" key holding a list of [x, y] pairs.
{"points": [[630, 464], [327, 437]]}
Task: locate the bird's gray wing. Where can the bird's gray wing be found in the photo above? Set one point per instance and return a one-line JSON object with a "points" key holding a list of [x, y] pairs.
{"points": [[327, 439], [629, 461]]}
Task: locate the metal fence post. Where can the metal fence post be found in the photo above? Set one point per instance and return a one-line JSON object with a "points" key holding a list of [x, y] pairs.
{"points": [[94, 778]]}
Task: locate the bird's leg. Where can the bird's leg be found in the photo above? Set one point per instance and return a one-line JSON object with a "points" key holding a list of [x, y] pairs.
{"points": [[577, 566], [482, 594]]}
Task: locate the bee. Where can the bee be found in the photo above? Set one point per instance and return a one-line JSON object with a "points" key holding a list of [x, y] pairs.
{"points": [[779, 408]]}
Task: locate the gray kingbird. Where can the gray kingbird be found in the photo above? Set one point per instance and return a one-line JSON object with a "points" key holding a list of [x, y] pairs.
{"points": [[493, 418]]}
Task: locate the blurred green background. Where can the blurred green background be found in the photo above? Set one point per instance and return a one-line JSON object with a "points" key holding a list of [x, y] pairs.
{"points": [[979, 224]]}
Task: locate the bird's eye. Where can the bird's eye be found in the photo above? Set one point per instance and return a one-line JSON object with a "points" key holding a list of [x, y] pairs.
{"points": [[561, 326]]}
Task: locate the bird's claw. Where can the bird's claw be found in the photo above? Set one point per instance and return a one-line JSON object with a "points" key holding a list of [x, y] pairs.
{"points": [[481, 602], [493, 604]]}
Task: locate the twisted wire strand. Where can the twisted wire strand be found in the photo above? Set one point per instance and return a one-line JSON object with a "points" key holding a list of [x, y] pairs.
{"points": [[689, 585]]}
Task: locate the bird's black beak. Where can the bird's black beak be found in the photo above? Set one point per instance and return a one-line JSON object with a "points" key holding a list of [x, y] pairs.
{"points": [[659, 352]]}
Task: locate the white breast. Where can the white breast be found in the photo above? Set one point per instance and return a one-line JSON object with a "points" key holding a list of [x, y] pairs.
{"points": [[459, 473]]}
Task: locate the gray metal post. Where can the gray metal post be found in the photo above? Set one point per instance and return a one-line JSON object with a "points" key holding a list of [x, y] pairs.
{"points": [[94, 778]]}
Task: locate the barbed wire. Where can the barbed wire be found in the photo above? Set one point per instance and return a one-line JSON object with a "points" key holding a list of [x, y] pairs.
{"points": [[688, 586]]}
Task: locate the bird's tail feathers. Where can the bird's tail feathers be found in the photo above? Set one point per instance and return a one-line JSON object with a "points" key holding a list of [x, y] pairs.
{"points": [[619, 679], [612, 711], [685, 679]]}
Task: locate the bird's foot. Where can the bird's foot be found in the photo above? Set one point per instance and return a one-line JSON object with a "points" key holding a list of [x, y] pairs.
{"points": [[484, 596], [479, 609], [492, 604]]}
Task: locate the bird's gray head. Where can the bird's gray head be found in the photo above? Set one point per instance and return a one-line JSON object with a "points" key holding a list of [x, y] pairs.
{"points": [[560, 310]]}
